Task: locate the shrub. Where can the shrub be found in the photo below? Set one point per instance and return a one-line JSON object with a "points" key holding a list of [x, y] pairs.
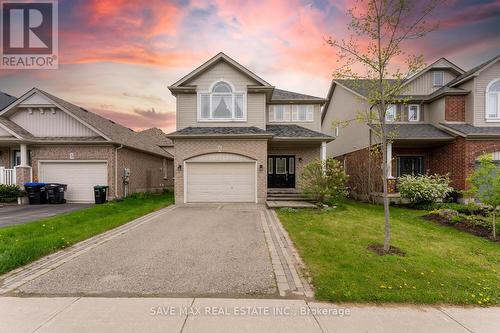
{"points": [[9, 193], [328, 186], [424, 189]]}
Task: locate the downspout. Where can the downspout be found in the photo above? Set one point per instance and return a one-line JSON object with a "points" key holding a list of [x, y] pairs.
{"points": [[116, 170]]}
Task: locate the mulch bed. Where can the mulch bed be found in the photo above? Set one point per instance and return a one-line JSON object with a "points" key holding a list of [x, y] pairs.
{"points": [[379, 250], [463, 225]]}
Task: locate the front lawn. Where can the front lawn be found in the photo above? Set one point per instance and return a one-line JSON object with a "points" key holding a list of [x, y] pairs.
{"points": [[21, 244], [442, 265]]}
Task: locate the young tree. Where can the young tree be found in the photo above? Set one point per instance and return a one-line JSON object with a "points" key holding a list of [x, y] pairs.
{"points": [[485, 185], [379, 30]]}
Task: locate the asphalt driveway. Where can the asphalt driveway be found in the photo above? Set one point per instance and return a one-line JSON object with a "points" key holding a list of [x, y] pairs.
{"points": [[19, 214], [187, 251]]}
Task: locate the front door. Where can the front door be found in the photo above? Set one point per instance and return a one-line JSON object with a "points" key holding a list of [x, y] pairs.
{"points": [[280, 171]]}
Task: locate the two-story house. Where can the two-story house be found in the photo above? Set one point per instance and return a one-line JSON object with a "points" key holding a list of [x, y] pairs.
{"points": [[449, 118], [238, 136]]}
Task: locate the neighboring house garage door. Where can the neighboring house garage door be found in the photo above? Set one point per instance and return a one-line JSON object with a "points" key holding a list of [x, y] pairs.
{"points": [[81, 177], [220, 178]]}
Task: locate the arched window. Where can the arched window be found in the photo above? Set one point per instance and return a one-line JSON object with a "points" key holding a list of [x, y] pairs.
{"points": [[493, 100], [221, 103]]}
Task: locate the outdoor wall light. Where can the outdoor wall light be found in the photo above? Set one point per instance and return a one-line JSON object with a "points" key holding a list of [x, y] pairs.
{"points": [[261, 167], [179, 167], [300, 159]]}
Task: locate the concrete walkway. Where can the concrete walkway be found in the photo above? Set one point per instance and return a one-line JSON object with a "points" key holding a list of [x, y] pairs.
{"points": [[71, 314]]}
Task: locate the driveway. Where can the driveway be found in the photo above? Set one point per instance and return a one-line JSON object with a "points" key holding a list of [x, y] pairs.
{"points": [[187, 251], [19, 214]]}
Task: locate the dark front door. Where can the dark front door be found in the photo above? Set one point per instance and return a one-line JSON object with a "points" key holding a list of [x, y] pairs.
{"points": [[281, 171], [410, 165]]}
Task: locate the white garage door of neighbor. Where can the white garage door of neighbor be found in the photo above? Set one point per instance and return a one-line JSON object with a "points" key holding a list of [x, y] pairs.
{"points": [[81, 177], [220, 182]]}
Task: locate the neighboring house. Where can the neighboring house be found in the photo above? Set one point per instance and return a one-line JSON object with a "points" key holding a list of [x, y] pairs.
{"points": [[238, 136], [451, 118], [44, 138]]}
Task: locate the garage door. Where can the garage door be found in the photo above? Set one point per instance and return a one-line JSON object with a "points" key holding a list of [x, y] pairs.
{"points": [[81, 177], [216, 181]]}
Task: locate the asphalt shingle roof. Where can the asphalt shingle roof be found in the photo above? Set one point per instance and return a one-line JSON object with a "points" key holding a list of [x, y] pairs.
{"points": [[473, 70], [362, 87], [468, 129], [115, 132], [5, 99], [417, 131], [157, 136], [294, 131], [284, 95], [16, 128], [195, 131]]}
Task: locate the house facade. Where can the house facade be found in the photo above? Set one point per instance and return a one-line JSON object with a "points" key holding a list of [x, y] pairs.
{"points": [[238, 136], [450, 117], [44, 138]]}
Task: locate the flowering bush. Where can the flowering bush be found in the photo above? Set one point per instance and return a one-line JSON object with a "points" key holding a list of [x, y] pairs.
{"points": [[424, 189], [328, 186], [9, 193]]}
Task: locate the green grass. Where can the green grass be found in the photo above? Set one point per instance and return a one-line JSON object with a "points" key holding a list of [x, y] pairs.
{"points": [[21, 244], [442, 265]]}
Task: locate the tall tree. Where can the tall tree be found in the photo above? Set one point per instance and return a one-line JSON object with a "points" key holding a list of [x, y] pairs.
{"points": [[373, 57]]}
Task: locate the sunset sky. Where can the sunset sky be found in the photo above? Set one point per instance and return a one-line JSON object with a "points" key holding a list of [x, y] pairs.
{"points": [[117, 57]]}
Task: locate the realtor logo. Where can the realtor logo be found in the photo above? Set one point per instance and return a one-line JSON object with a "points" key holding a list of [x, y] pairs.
{"points": [[29, 37]]}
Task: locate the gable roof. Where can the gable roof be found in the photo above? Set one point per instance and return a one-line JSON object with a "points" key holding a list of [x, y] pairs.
{"points": [[473, 72], [212, 61], [5, 100], [280, 95], [108, 129], [157, 136], [441, 63]]}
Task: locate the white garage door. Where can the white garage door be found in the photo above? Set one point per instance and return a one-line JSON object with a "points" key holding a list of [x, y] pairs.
{"points": [[220, 178], [81, 177]]}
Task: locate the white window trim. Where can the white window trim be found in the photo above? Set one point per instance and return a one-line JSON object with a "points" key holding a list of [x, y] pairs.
{"points": [[395, 113], [434, 79], [273, 119], [487, 103], [336, 131], [292, 112], [418, 113], [233, 101]]}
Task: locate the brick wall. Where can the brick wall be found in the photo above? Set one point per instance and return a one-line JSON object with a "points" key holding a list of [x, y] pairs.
{"points": [[454, 107], [357, 166], [62, 152], [306, 154], [187, 148], [146, 172]]}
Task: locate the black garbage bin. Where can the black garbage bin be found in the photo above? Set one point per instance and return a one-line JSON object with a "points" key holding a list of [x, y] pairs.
{"points": [[101, 194], [55, 193], [37, 193]]}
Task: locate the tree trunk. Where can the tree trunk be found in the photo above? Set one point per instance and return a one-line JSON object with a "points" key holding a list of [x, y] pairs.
{"points": [[495, 222], [387, 237]]}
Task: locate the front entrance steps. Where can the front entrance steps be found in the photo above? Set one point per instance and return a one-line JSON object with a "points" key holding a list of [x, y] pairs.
{"points": [[286, 197]]}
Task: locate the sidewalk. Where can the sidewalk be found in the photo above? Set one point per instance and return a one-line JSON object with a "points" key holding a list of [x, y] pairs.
{"points": [[165, 315]]}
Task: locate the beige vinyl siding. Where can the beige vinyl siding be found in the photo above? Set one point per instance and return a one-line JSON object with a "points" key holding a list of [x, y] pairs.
{"points": [[187, 103], [344, 106], [4, 133], [480, 84], [423, 85], [436, 111], [314, 125], [469, 101], [48, 124]]}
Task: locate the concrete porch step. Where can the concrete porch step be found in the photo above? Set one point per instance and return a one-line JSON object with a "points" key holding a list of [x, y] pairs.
{"points": [[289, 204], [283, 198]]}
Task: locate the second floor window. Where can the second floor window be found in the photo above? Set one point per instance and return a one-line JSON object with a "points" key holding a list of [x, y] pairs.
{"points": [[493, 100], [438, 79], [222, 103], [390, 114], [293, 113], [413, 112]]}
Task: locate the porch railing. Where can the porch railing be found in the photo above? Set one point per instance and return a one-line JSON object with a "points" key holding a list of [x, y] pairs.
{"points": [[7, 176]]}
